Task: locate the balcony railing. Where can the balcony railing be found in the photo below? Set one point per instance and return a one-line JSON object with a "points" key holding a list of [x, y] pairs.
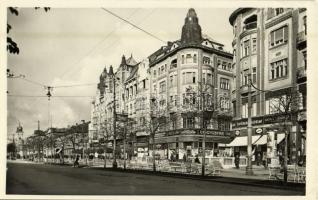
{"points": [[250, 26], [301, 36], [301, 74], [301, 39]]}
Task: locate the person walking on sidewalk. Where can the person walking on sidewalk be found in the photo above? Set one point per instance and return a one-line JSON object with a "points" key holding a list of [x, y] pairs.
{"points": [[76, 164]]}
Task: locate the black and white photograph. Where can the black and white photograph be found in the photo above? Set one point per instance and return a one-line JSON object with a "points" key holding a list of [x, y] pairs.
{"points": [[157, 100]]}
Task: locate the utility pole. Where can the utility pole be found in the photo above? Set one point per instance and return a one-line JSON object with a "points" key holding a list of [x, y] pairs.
{"points": [[249, 170], [114, 122], [125, 148], [202, 130]]}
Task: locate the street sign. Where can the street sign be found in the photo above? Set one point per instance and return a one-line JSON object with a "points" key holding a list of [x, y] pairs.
{"points": [[259, 130]]}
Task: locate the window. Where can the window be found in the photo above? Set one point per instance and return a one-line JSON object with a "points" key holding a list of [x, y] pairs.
{"points": [[173, 121], [245, 77], [144, 84], [203, 78], [305, 24], [136, 91], [219, 64], [254, 75], [224, 83], [155, 88], [278, 69], [188, 58], [174, 64], [182, 59], [246, 48], [224, 65], [224, 103], [154, 73], [279, 36], [188, 77], [276, 105], [171, 100], [162, 86], [173, 81], [195, 58], [188, 122], [206, 60], [254, 109], [193, 77], [254, 45], [209, 78], [244, 111]]}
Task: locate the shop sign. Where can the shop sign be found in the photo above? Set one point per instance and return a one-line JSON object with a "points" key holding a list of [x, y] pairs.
{"points": [[122, 117], [259, 130], [218, 133], [268, 119]]}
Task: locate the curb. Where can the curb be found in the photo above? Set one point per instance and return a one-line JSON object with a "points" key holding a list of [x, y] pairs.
{"points": [[236, 181]]}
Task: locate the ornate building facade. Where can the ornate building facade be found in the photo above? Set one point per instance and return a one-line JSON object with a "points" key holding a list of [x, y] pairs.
{"points": [[269, 47], [179, 82]]}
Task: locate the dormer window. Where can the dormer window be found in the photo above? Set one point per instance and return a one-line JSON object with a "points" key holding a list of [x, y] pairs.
{"points": [[279, 11]]}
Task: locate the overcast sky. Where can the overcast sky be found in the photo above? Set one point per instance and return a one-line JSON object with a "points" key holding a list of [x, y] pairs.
{"points": [[72, 46]]}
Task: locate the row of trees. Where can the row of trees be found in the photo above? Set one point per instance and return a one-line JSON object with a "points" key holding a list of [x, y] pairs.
{"points": [[55, 140]]}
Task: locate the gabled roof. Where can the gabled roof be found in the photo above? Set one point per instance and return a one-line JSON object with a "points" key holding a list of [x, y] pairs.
{"points": [[134, 71], [131, 61]]}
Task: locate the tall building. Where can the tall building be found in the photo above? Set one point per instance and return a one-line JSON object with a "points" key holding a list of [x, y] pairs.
{"points": [[269, 47], [182, 75], [176, 82]]}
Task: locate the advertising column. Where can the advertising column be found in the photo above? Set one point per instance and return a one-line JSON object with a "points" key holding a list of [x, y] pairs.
{"points": [[272, 158]]}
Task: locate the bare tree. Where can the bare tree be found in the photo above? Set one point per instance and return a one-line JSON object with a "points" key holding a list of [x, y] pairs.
{"points": [[153, 122], [286, 105]]}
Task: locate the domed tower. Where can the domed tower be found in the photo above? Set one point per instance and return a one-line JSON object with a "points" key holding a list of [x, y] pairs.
{"points": [[191, 30]]}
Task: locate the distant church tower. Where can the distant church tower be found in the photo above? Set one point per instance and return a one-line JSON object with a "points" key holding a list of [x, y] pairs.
{"points": [[19, 132], [191, 30]]}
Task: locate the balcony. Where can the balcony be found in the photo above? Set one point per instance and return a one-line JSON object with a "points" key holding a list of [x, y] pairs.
{"points": [[301, 40], [250, 26], [301, 75], [244, 89]]}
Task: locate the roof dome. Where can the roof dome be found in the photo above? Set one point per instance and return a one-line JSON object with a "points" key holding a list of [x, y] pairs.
{"points": [[191, 30]]}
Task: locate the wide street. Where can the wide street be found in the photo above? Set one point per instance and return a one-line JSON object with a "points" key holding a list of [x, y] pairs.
{"points": [[27, 178]]}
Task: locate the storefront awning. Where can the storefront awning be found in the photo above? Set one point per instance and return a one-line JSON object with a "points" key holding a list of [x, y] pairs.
{"points": [[240, 141], [256, 140], [261, 141], [280, 137]]}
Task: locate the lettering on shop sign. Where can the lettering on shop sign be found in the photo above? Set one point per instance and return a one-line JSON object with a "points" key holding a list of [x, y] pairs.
{"points": [[218, 133], [261, 120]]}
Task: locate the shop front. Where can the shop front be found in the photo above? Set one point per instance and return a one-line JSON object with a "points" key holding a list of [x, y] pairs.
{"points": [[186, 144]]}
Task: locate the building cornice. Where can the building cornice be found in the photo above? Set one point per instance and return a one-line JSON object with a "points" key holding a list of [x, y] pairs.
{"points": [[198, 46], [278, 19]]}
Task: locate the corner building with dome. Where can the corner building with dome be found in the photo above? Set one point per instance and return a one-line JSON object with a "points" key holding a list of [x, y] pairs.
{"points": [[188, 83]]}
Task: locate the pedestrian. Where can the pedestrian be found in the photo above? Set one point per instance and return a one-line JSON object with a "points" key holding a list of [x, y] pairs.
{"points": [[76, 164], [184, 158], [196, 160], [237, 161]]}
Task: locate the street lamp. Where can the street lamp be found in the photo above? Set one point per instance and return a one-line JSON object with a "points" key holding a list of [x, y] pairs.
{"points": [[114, 79], [249, 170]]}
